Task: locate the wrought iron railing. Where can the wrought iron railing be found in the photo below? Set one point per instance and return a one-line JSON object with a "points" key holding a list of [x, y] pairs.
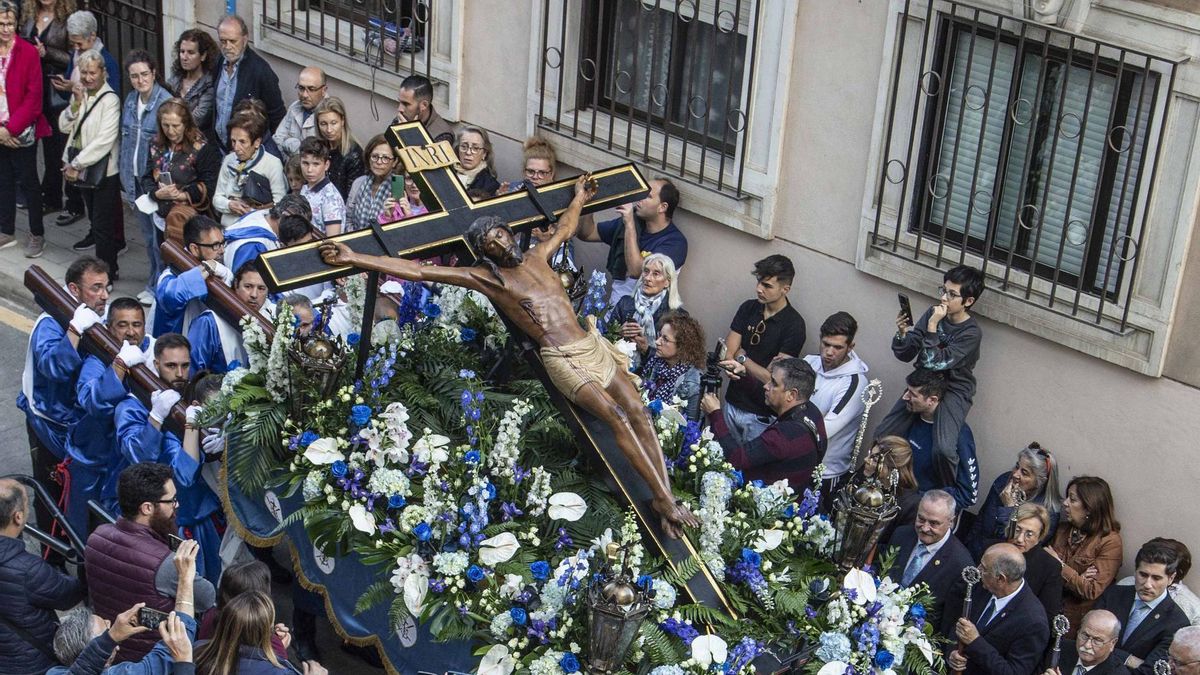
{"points": [[126, 25], [666, 83], [392, 35], [1030, 147]]}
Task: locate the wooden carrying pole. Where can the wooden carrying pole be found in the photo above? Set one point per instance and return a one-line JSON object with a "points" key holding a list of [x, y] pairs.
{"points": [[59, 304], [221, 298]]}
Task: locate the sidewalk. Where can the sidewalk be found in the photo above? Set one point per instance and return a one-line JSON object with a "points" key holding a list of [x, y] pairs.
{"points": [[58, 256]]}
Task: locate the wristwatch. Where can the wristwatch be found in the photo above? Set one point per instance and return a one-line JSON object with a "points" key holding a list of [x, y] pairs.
{"points": [[740, 358]]}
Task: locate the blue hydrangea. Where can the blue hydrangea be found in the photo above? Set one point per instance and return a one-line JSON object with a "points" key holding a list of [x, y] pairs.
{"points": [[834, 647]]}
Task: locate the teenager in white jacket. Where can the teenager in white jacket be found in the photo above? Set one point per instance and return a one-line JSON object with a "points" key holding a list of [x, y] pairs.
{"points": [[841, 380]]}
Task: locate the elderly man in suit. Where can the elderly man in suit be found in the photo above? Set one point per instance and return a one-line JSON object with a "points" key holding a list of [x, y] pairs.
{"points": [[929, 553], [1094, 647], [1007, 631], [1150, 616], [242, 73], [1184, 653]]}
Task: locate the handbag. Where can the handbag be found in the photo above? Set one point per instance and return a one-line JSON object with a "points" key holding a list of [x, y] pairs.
{"points": [[89, 178], [256, 190]]}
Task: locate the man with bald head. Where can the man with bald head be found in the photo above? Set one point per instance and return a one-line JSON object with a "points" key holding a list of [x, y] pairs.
{"points": [[298, 122], [32, 590], [1007, 631], [1184, 653], [1094, 649]]}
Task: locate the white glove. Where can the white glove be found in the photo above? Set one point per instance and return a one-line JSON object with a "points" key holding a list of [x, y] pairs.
{"points": [[85, 317], [214, 442], [161, 403], [131, 355], [193, 413], [329, 295], [222, 271]]}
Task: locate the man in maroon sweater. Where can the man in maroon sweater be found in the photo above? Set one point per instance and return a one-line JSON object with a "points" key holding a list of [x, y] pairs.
{"points": [[793, 444]]}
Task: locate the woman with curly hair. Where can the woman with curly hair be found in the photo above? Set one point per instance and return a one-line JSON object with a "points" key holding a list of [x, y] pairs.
{"points": [[192, 77], [672, 365]]}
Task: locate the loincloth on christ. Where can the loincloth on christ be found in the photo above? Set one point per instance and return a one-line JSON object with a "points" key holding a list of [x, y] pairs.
{"points": [[590, 359]]}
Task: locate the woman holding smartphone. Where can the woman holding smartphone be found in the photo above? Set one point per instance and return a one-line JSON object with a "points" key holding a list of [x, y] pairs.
{"points": [[374, 194]]}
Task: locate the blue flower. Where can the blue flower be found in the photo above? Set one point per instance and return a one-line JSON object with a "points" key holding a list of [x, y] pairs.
{"points": [[466, 334], [656, 406], [338, 469], [234, 365], [834, 647], [751, 557], [738, 479], [422, 532], [360, 415], [352, 339], [519, 616], [540, 570], [884, 659], [308, 437], [917, 611], [431, 310], [466, 374], [569, 663], [475, 574], [645, 581], [790, 511], [472, 457], [465, 398], [396, 502], [491, 491], [479, 397]]}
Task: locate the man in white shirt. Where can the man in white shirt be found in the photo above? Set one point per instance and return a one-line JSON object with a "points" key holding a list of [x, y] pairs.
{"points": [[841, 380]]}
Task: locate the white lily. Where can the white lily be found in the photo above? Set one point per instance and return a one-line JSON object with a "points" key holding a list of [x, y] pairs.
{"points": [[768, 540], [567, 506], [833, 668], [672, 414], [431, 449], [363, 520], [496, 661], [416, 586], [709, 649], [498, 549], [323, 451], [863, 585]]}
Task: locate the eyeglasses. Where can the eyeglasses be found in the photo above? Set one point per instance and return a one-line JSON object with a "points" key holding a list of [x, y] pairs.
{"points": [[96, 288], [173, 500], [953, 295], [309, 90], [538, 173], [214, 246], [468, 148], [382, 159], [757, 331], [1084, 638]]}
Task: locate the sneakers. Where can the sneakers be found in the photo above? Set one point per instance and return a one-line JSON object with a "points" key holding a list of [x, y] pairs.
{"points": [[66, 218], [85, 243], [146, 298], [34, 246], [7, 240]]}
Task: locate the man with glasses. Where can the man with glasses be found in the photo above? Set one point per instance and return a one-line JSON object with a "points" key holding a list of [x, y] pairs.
{"points": [[945, 339], [204, 239], [1150, 615], [1184, 654], [52, 365], [299, 122], [762, 330], [1007, 631], [132, 560], [928, 553], [1094, 647], [242, 73]]}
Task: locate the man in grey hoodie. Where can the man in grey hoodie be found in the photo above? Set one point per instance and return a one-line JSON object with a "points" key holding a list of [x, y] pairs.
{"points": [[841, 380]]}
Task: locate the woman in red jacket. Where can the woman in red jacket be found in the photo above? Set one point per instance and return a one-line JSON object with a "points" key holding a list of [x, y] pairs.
{"points": [[21, 124]]}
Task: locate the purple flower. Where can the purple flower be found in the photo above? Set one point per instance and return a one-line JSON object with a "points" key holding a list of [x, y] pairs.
{"points": [[387, 526], [466, 374]]}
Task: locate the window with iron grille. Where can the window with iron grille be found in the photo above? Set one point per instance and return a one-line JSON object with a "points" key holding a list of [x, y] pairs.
{"points": [[659, 81], [1026, 146], [387, 34]]}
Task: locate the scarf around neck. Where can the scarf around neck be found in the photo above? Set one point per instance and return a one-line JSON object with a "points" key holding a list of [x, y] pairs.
{"points": [[645, 306], [467, 176]]}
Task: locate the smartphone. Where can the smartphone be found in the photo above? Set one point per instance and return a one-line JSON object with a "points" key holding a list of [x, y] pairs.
{"points": [[722, 349], [397, 187], [174, 542], [905, 307], [150, 618], [164, 178]]}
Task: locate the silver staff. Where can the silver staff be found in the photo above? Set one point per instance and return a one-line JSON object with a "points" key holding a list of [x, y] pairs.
{"points": [[870, 397], [1060, 626], [971, 575]]}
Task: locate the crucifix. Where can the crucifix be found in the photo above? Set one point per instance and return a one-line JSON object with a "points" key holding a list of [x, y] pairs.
{"points": [[587, 383]]}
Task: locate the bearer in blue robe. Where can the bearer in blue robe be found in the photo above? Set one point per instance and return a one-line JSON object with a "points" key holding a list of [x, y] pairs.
{"points": [[203, 238], [217, 344]]}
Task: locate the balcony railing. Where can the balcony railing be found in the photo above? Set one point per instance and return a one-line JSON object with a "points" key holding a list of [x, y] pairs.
{"points": [[1026, 146]]}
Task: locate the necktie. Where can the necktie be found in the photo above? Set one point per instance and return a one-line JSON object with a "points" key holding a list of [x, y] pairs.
{"points": [[915, 565], [1079, 670], [1140, 610], [986, 617]]}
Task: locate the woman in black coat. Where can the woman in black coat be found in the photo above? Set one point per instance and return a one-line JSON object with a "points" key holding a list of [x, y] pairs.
{"points": [[1043, 572]]}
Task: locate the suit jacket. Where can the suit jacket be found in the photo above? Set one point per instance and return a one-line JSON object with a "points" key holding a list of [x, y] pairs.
{"points": [[1043, 575], [1153, 635], [256, 80], [1113, 665], [1013, 642], [943, 572]]}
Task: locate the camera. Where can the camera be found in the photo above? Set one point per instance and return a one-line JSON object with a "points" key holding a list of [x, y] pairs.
{"points": [[710, 379]]}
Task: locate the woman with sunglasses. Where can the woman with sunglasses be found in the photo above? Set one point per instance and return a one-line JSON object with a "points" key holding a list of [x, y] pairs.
{"points": [[1033, 479]]}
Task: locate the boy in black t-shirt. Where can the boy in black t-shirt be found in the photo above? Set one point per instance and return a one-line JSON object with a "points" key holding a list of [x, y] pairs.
{"points": [[762, 329]]}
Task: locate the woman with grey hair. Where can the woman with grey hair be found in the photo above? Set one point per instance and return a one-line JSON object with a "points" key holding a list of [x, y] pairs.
{"points": [[92, 123], [1034, 479], [474, 168], [637, 316]]}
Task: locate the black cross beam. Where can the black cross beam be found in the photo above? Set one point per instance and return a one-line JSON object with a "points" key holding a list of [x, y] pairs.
{"points": [[451, 212]]}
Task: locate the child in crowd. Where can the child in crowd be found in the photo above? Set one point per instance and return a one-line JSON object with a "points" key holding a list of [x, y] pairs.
{"points": [[291, 171], [328, 207]]}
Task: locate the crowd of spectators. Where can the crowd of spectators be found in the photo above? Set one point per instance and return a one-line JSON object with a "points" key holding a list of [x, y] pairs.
{"points": [[212, 159]]}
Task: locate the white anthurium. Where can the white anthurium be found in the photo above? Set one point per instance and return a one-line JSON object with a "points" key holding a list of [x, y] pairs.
{"points": [[363, 520], [863, 585], [497, 661], [709, 649], [416, 586], [833, 668], [672, 414], [567, 506], [323, 451], [768, 540], [498, 549]]}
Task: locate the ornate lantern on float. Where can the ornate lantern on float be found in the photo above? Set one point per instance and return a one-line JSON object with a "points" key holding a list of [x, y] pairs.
{"points": [[616, 606], [314, 362], [860, 513]]}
